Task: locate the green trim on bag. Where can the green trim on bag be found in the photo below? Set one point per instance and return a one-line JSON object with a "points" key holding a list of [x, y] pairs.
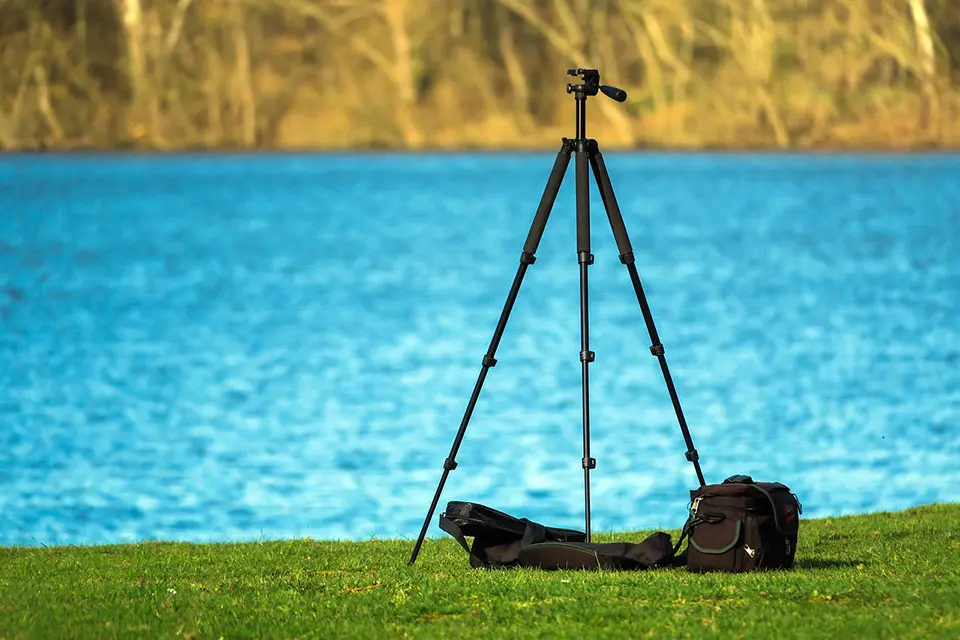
{"points": [[716, 552]]}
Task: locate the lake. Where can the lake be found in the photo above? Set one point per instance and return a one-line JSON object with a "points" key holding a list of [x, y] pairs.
{"points": [[228, 348]]}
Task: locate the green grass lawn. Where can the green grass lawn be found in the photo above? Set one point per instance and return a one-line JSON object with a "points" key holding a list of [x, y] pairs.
{"points": [[889, 575]]}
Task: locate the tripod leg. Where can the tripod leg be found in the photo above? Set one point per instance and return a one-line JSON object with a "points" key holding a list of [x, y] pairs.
{"points": [[627, 258], [585, 259], [489, 360]]}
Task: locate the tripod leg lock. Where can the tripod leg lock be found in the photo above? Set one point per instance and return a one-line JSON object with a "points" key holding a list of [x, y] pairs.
{"points": [[627, 258], [489, 361], [585, 257], [692, 455], [527, 258], [449, 464], [656, 349], [589, 463], [587, 356]]}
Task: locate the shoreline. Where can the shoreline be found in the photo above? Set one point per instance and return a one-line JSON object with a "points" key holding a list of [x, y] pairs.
{"points": [[522, 150], [440, 536]]}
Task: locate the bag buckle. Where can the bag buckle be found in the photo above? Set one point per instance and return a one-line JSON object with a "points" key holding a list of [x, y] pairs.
{"points": [[693, 508]]}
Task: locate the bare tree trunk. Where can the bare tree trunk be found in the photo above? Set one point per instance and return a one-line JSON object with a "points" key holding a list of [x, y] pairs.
{"points": [[212, 84], [518, 81], [247, 105], [44, 104], [158, 78], [456, 22], [780, 133], [684, 72], [15, 121], [10, 126], [131, 13], [396, 13], [651, 63], [81, 8], [176, 26], [930, 102], [679, 69]]}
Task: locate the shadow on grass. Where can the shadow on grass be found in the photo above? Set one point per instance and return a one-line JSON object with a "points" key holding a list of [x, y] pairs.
{"points": [[826, 563]]}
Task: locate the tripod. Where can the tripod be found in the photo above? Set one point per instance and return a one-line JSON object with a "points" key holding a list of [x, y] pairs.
{"points": [[587, 151]]}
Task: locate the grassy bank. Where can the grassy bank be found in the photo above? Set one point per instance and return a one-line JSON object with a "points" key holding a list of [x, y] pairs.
{"points": [[893, 575]]}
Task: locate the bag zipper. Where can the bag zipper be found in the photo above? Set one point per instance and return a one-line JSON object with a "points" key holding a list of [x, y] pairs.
{"points": [[743, 510]]}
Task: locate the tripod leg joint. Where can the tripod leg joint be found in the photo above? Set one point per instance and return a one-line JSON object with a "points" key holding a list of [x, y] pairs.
{"points": [[585, 257], [657, 350], [692, 455], [489, 361], [587, 356], [589, 463], [527, 258], [627, 258], [449, 464]]}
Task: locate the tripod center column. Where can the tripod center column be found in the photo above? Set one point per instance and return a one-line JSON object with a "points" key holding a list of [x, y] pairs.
{"points": [[581, 100]]}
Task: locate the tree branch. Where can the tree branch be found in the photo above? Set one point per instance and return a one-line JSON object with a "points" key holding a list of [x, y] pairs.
{"points": [[358, 43], [561, 44], [176, 27]]}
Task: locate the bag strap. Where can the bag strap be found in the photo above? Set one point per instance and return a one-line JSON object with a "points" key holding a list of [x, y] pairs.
{"points": [[533, 533], [451, 527], [683, 534], [654, 551]]}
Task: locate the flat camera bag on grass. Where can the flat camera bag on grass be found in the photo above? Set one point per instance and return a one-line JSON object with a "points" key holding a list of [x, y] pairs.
{"points": [[497, 537], [501, 540], [742, 525]]}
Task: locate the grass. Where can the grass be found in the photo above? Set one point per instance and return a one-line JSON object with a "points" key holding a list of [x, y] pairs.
{"points": [[887, 575]]}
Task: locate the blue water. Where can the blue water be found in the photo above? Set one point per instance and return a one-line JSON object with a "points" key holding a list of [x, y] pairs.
{"points": [[237, 348]]}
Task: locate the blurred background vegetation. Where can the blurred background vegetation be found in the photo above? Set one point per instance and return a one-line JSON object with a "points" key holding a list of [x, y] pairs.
{"points": [[233, 74]]}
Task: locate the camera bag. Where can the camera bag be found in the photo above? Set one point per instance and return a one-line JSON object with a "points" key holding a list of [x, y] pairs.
{"points": [[497, 536], [741, 525]]}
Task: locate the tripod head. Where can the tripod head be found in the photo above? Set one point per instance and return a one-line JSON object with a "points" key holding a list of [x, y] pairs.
{"points": [[591, 85]]}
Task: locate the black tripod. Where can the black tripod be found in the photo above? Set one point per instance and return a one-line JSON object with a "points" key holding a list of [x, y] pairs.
{"points": [[586, 151]]}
